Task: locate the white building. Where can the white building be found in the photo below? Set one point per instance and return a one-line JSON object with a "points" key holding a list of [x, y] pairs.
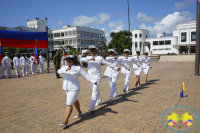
{"points": [[184, 35], [78, 37]]}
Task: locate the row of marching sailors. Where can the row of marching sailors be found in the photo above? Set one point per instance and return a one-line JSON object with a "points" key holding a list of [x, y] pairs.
{"points": [[23, 61], [71, 72]]}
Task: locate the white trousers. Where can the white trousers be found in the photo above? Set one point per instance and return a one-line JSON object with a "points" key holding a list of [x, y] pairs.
{"points": [[24, 69], [16, 69], [127, 79], [41, 68], [33, 68], [96, 98], [8, 71], [112, 82], [27, 68], [72, 96], [81, 64], [2, 71]]}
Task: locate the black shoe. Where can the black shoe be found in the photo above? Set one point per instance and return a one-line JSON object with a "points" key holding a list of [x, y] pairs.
{"points": [[124, 91]]}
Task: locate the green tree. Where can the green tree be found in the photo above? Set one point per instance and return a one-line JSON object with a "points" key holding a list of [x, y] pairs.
{"points": [[120, 41]]}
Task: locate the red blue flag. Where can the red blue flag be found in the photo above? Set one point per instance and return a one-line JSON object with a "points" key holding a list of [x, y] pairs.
{"points": [[23, 39], [0, 52], [64, 52], [36, 53]]}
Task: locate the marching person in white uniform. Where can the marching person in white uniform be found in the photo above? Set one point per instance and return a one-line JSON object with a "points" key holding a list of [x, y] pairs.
{"points": [[33, 63], [63, 60], [41, 62], [126, 60], [27, 63], [72, 86], [23, 64], [79, 59], [138, 69], [145, 66], [94, 69], [7, 63], [112, 74], [16, 62]]}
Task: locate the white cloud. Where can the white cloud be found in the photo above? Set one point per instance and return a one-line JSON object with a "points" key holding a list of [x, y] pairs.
{"points": [[107, 35], [145, 18], [183, 4], [168, 23], [116, 26], [94, 20], [60, 22]]}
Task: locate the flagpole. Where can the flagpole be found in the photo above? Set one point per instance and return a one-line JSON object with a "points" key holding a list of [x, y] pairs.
{"points": [[47, 50]]}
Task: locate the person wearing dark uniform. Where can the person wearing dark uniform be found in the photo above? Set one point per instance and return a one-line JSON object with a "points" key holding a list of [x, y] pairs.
{"points": [[56, 62]]}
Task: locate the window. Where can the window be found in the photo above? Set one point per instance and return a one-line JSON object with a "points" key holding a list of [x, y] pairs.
{"points": [[140, 35], [135, 46], [167, 42], [161, 43], [62, 33], [135, 35], [183, 37], [140, 46], [193, 36], [167, 48], [146, 35], [155, 42]]}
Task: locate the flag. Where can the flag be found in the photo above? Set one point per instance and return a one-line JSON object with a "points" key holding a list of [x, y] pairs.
{"points": [[64, 52], [36, 53], [23, 39], [0, 52], [183, 85]]}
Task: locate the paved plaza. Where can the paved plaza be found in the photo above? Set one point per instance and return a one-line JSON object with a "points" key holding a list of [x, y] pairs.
{"points": [[36, 103]]}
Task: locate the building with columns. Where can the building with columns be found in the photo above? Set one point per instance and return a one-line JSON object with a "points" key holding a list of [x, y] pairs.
{"points": [[78, 37], [184, 35]]}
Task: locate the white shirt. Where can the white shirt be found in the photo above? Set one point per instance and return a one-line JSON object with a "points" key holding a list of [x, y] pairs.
{"points": [[33, 60], [70, 77], [41, 60], [127, 62], [22, 61], [94, 67], [27, 60], [16, 61], [7, 61], [147, 60], [138, 60], [110, 71]]}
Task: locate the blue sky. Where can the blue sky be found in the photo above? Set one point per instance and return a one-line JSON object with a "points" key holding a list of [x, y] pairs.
{"points": [[109, 15]]}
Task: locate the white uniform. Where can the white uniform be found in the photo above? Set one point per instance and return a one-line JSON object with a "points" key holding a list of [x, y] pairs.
{"points": [[79, 59], [7, 63], [16, 62], [1, 76], [41, 62], [113, 75], [27, 65], [33, 64], [138, 70], [71, 84], [23, 64], [145, 66], [94, 70], [63, 61], [2, 69], [126, 73]]}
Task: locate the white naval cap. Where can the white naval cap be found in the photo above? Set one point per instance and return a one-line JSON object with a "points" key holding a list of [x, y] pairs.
{"points": [[126, 50], [111, 50], [92, 47], [69, 57]]}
